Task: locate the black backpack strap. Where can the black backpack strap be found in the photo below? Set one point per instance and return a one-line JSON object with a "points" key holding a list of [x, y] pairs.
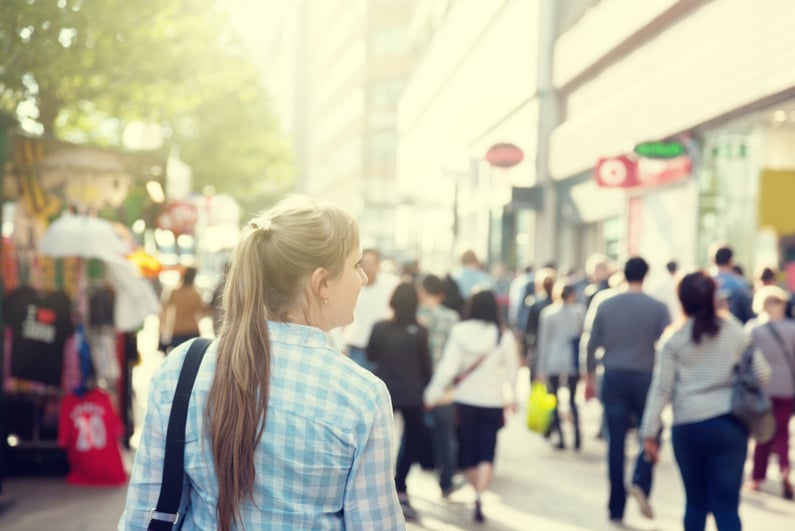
{"points": [[166, 514]]}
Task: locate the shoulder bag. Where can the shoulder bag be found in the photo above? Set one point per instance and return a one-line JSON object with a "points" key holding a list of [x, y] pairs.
{"points": [[749, 403], [165, 516]]}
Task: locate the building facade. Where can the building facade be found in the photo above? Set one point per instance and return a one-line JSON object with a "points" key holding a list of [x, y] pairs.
{"points": [[474, 86], [712, 76]]}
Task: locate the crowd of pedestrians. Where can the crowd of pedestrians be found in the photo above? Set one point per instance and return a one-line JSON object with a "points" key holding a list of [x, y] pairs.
{"points": [[442, 353]]}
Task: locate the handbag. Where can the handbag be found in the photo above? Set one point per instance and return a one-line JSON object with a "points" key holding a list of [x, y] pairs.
{"points": [[540, 408], [165, 515], [750, 404]]}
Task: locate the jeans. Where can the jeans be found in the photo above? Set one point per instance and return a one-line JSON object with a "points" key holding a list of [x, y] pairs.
{"points": [[624, 398], [782, 409], [359, 355], [553, 385], [442, 426], [711, 456]]}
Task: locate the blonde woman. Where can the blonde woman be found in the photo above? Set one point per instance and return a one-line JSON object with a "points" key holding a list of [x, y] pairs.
{"points": [[283, 432], [774, 335]]}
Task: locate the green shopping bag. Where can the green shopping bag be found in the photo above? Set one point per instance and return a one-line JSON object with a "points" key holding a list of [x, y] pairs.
{"points": [[540, 406]]}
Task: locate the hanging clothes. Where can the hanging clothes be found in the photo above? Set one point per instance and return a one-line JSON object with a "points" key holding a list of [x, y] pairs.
{"points": [[40, 322], [89, 428]]}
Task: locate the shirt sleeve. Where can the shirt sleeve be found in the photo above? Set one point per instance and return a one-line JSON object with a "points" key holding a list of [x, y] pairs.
{"points": [[147, 473], [510, 350], [424, 353], [371, 500], [592, 337], [761, 367], [446, 371], [542, 341], [660, 391]]}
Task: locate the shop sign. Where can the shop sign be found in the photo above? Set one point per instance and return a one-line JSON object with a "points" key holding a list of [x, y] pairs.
{"points": [[616, 172], [654, 172], [504, 155], [179, 217], [626, 172], [660, 150]]}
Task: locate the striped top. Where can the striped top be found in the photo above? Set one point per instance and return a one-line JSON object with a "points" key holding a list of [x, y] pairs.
{"points": [[696, 378]]}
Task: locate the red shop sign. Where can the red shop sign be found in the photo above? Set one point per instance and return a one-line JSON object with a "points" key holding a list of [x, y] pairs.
{"points": [[616, 172], [626, 172], [179, 217]]}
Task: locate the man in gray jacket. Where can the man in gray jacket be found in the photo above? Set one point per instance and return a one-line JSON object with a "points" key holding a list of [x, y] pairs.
{"points": [[626, 327]]}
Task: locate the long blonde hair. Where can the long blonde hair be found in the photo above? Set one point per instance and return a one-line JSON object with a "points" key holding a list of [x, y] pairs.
{"points": [[268, 277]]}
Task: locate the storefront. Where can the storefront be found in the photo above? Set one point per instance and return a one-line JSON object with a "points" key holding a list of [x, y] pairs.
{"points": [[746, 186], [73, 298], [626, 80]]}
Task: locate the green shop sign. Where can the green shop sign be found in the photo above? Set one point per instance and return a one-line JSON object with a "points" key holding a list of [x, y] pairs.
{"points": [[660, 150]]}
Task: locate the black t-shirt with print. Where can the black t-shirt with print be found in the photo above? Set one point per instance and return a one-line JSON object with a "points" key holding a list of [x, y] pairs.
{"points": [[40, 322]]}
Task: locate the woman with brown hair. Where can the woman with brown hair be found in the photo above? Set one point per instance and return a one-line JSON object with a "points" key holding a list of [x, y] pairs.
{"points": [[283, 432], [694, 372]]}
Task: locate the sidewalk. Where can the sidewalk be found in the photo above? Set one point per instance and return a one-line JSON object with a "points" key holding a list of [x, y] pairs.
{"points": [[535, 488]]}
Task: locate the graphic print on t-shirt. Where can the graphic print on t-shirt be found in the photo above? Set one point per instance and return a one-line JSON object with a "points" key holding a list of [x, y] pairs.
{"points": [[40, 323], [89, 428]]}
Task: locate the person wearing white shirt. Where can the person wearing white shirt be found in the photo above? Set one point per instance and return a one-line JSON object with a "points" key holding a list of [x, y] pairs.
{"points": [[482, 359], [371, 307]]}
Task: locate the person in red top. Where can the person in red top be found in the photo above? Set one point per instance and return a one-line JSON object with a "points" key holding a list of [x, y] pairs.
{"points": [[89, 428]]}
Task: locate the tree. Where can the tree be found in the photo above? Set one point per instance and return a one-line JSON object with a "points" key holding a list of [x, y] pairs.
{"points": [[68, 66]]}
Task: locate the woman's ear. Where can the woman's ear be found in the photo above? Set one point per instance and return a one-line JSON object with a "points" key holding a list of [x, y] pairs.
{"points": [[318, 281]]}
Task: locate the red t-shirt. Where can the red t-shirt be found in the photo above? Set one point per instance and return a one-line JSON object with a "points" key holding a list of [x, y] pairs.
{"points": [[89, 429]]}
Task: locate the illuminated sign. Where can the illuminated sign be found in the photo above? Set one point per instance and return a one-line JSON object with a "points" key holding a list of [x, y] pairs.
{"points": [[660, 150]]}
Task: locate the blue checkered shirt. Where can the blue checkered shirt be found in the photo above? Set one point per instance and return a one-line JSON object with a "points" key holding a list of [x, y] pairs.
{"points": [[325, 460]]}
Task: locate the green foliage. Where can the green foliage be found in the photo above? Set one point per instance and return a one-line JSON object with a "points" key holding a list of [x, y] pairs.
{"points": [[83, 69]]}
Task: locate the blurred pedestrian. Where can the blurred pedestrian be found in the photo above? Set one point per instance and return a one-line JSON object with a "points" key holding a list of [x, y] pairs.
{"points": [[481, 359], [439, 320], [399, 349], [516, 295], [665, 291], [626, 326], [471, 276], [558, 353], [694, 373], [183, 309], [283, 432], [774, 335], [372, 306], [732, 288], [598, 270], [537, 297], [452, 295]]}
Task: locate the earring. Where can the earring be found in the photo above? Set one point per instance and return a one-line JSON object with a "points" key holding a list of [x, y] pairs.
{"points": [[325, 301]]}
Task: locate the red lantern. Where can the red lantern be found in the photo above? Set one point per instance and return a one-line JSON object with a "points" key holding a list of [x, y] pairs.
{"points": [[504, 155]]}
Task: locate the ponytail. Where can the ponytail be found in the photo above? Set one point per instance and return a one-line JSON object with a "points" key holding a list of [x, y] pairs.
{"points": [[238, 400], [697, 295]]}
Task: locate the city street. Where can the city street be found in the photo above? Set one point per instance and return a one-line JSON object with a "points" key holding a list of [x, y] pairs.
{"points": [[535, 487]]}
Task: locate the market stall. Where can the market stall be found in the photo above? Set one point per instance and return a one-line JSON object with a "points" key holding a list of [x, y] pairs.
{"points": [[73, 299]]}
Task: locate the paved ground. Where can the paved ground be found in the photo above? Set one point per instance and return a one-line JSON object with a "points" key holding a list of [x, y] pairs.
{"points": [[535, 488]]}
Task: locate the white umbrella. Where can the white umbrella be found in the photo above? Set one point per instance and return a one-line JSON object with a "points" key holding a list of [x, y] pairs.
{"points": [[82, 236], [135, 297]]}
